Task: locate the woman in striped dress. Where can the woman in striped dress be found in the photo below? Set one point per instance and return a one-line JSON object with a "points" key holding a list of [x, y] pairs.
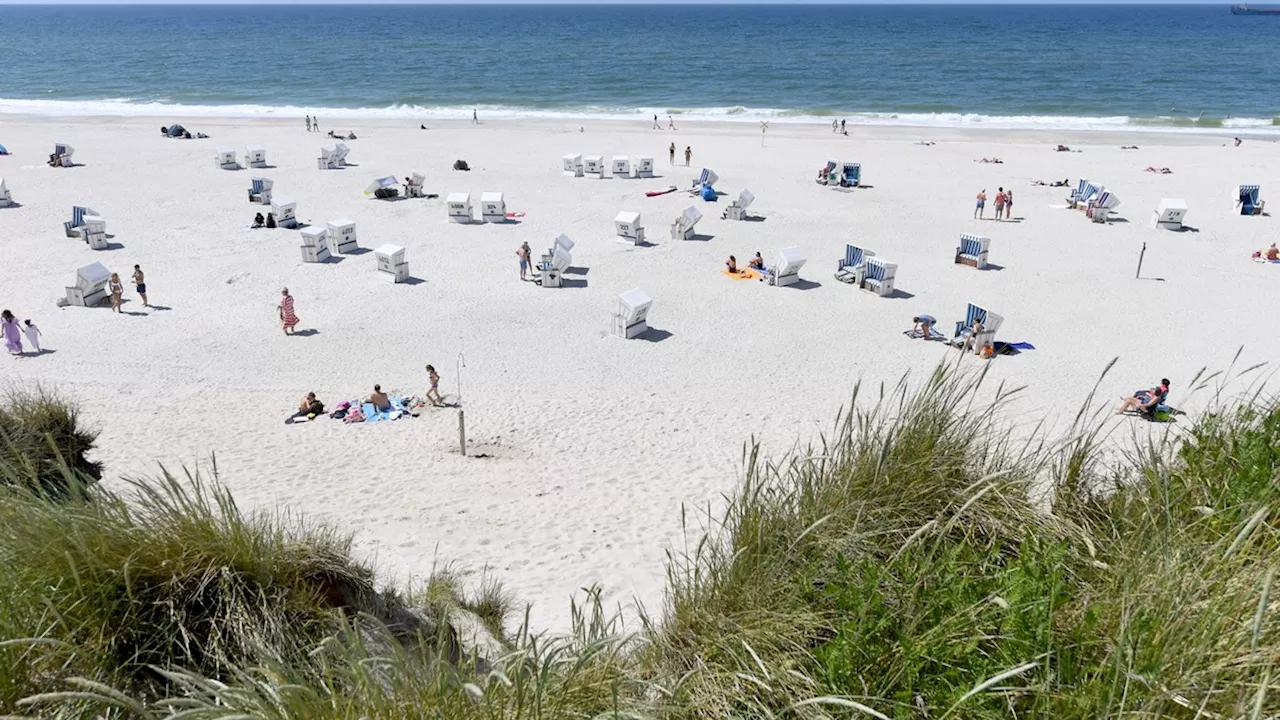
{"points": [[287, 318]]}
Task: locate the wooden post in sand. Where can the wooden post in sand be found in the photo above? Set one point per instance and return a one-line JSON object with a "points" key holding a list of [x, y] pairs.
{"points": [[1138, 274], [462, 431]]}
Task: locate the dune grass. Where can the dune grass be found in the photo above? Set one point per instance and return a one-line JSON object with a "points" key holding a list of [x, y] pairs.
{"points": [[916, 562]]}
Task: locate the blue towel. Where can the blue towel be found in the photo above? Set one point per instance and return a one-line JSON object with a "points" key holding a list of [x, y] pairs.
{"points": [[1022, 346], [708, 193]]}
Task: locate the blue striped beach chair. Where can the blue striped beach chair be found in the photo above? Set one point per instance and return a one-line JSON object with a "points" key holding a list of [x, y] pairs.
{"points": [[850, 268], [63, 153], [1077, 192], [879, 276], [77, 220], [989, 324], [1100, 208], [1247, 199], [851, 174], [973, 251], [828, 175], [1087, 193]]}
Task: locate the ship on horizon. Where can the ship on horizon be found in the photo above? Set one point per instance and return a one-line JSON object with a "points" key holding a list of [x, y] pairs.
{"points": [[1246, 10]]}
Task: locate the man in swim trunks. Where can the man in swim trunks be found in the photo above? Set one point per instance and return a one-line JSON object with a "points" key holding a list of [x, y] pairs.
{"points": [[523, 253], [379, 399], [140, 283], [982, 203]]}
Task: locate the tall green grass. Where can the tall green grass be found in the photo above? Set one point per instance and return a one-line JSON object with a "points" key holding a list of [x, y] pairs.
{"points": [[916, 562]]}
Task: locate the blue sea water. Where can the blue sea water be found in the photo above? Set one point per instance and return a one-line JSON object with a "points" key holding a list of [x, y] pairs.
{"points": [[1179, 66]]}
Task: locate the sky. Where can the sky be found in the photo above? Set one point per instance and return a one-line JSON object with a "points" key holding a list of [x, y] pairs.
{"points": [[625, 2]]}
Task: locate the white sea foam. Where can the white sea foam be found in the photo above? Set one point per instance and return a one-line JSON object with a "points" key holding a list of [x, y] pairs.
{"points": [[127, 107]]}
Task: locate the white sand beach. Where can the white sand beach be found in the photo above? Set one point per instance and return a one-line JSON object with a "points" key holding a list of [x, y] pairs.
{"points": [[585, 446]]}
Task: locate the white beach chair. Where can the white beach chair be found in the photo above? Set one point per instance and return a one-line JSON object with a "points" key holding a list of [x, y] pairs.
{"points": [[1100, 208], [255, 156], [90, 289], [384, 188], [493, 208], [391, 264], [555, 262], [683, 227], [1169, 214], [62, 153], [707, 177], [852, 267], [572, 165], [285, 211], [1246, 197], [86, 224], [737, 209], [459, 207], [593, 166], [879, 276], [342, 237], [621, 166], [850, 174], [644, 166], [990, 322], [6, 199], [627, 225], [973, 251], [315, 244], [630, 319], [260, 190], [333, 157], [787, 270], [226, 158], [340, 152], [414, 188], [1086, 192]]}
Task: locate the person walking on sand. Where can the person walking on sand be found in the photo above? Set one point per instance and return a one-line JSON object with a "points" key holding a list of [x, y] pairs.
{"points": [[308, 123], [315, 123], [1008, 204], [288, 320], [999, 203], [523, 252], [116, 288], [834, 126], [140, 284], [671, 153], [475, 117], [433, 394], [982, 203], [841, 124], [656, 126], [688, 155], [12, 335], [33, 335], [671, 124]]}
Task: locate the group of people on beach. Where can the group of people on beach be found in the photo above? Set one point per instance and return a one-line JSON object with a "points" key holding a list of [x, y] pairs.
{"points": [[115, 288], [1004, 204], [688, 154], [838, 127], [313, 124], [671, 124], [310, 407], [755, 263], [12, 332]]}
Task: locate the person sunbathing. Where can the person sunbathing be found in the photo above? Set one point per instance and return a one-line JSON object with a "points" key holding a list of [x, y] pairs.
{"points": [[258, 220], [1145, 401], [1062, 148], [732, 264], [1128, 147], [310, 405], [994, 161], [379, 399], [757, 262], [1271, 254], [971, 337], [1162, 171], [1061, 183]]}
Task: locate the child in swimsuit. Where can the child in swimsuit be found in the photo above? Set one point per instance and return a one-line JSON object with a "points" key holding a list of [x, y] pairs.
{"points": [[433, 395]]}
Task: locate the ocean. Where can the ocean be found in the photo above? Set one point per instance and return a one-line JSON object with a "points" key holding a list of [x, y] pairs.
{"points": [[1178, 67]]}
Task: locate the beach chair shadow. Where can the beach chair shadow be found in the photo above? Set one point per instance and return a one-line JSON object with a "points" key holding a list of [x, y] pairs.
{"points": [[568, 283], [899, 294], [359, 251], [699, 237], [413, 281], [576, 270], [12, 205], [332, 260], [803, 284], [754, 218], [655, 335], [991, 267]]}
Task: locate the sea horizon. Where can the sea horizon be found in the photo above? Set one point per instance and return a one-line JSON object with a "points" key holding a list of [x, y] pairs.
{"points": [[1010, 66]]}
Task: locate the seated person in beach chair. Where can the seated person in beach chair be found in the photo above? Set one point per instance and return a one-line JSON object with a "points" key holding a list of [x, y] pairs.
{"points": [[967, 338], [258, 221], [757, 262], [1146, 402]]}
